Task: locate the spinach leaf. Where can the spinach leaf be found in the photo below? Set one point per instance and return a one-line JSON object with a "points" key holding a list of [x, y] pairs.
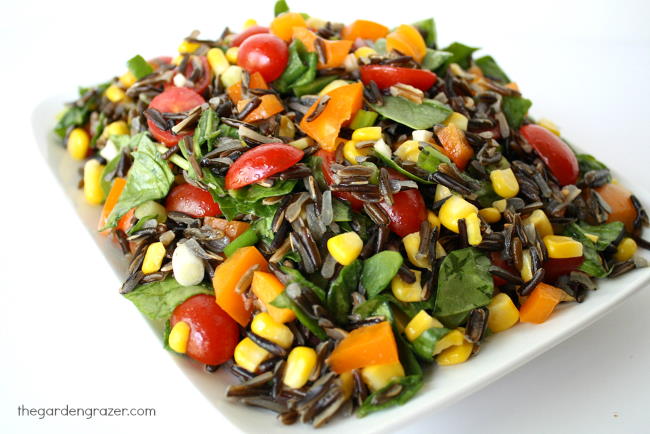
{"points": [[315, 163], [424, 345], [166, 332], [342, 211], [461, 54], [257, 192], [99, 129], [411, 384], [297, 277], [283, 301], [140, 224], [139, 67], [104, 180], [406, 356], [379, 270], [491, 69], [262, 227], [606, 233], [339, 301], [393, 165], [588, 162], [77, 115], [464, 283], [430, 158], [435, 58], [157, 300], [515, 109], [379, 46], [373, 305], [428, 28], [280, 7], [417, 116], [593, 264], [148, 179]]}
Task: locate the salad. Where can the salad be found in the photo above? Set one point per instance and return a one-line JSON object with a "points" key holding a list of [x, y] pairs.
{"points": [[326, 209]]}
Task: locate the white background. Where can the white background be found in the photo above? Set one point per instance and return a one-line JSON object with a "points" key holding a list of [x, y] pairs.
{"points": [[67, 337]]}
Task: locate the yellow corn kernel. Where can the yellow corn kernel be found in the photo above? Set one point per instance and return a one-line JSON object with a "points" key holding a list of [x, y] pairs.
{"points": [[364, 52], [93, 191], [378, 376], [408, 151], [351, 152], [300, 364], [114, 93], [419, 324], [490, 214], [333, 85], [503, 313], [440, 251], [188, 47], [549, 125], [265, 326], [473, 225], [500, 205], [504, 183], [249, 23], [127, 79], [453, 338], [315, 23], [594, 238], [407, 292], [625, 249], [526, 266], [455, 355], [232, 75], [347, 383], [231, 55], [441, 193], [217, 60], [367, 133], [177, 60], [249, 355], [78, 142], [117, 128], [153, 258], [411, 245], [560, 247], [178, 337], [287, 127], [433, 219], [541, 222], [302, 143], [453, 209], [345, 248], [457, 119]]}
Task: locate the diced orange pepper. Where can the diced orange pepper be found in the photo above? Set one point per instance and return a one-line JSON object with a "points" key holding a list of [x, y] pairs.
{"points": [[282, 26], [344, 103], [232, 229], [269, 106], [455, 145], [369, 345], [335, 51], [266, 287], [225, 279], [124, 223], [619, 200], [364, 29], [111, 200], [540, 303], [512, 85], [407, 40]]}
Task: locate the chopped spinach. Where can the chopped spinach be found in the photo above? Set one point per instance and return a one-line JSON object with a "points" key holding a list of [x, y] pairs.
{"points": [[411, 384], [393, 165], [588, 162], [280, 7], [461, 54], [78, 115], [491, 69], [379, 270], [515, 109], [434, 59], [594, 265], [339, 299], [157, 300], [283, 301], [417, 116], [296, 276], [428, 29]]}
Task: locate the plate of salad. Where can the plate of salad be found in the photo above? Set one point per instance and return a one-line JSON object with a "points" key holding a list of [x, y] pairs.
{"points": [[342, 223]]}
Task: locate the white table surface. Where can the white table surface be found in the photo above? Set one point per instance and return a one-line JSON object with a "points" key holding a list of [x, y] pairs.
{"points": [[68, 338]]}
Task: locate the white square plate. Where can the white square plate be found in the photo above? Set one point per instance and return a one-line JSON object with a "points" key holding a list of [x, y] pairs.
{"points": [[501, 354]]}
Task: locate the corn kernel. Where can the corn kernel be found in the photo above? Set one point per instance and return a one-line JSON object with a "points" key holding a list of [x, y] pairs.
{"points": [[345, 248], [177, 60], [549, 125], [231, 55], [433, 219], [117, 128], [153, 258], [367, 133], [364, 52], [347, 383], [217, 60], [490, 214], [422, 135], [408, 151], [625, 249], [265, 326], [560, 247], [503, 313], [333, 85], [300, 364], [473, 226], [188, 47], [179, 336], [457, 119], [114, 93], [93, 191], [302, 143], [127, 79], [451, 339], [455, 355], [504, 183], [351, 152], [378, 376], [594, 238], [411, 245], [441, 193], [249, 355], [500, 205], [249, 23], [454, 209], [440, 251], [232, 75], [287, 128], [526, 266], [419, 324], [407, 292], [78, 142], [541, 222]]}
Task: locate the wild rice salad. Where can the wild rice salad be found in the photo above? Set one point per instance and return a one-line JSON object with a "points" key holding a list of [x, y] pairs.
{"points": [[326, 209]]}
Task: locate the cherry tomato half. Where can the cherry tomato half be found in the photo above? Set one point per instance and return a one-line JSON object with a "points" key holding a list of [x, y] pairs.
{"points": [[407, 211], [556, 154], [497, 259], [253, 30], [173, 100], [192, 201], [557, 267], [159, 61], [264, 53], [213, 334], [386, 76], [203, 81], [327, 159], [260, 163]]}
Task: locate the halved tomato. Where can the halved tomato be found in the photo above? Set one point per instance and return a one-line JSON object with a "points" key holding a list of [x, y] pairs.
{"points": [[173, 100]]}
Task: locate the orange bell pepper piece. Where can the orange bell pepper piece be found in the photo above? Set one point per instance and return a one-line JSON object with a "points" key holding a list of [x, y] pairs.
{"points": [[366, 346], [335, 51], [364, 29], [232, 229], [282, 26], [269, 106], [344, 103], [619, 200], [266, 287], [540, 303], [113, 196], [124, 223], [407, 40], [225, 279], [455, 145]]}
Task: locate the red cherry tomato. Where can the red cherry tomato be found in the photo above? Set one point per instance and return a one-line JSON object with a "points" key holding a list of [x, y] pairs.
{"points": [[253, 30], [557, 267], [387, 76], [264, 53], [407, 211], [327, 158], [173, 100], [497, 259], [157, 62], [213, 334], [556, 154], [192, 201], [260, 163], [203, 81]]}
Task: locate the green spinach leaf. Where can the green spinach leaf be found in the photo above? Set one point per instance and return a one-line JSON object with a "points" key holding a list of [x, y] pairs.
{"points": [[280, 7], [379, 270], [393, 165], [588, 162], [461, 54], [428, 28], [491, 69], [417, 116], [515, 109], [296, 276], [283, 301], [339, 299], [342, 211], [434, 59], [411, 384], [606, 233], [157, 300]]}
